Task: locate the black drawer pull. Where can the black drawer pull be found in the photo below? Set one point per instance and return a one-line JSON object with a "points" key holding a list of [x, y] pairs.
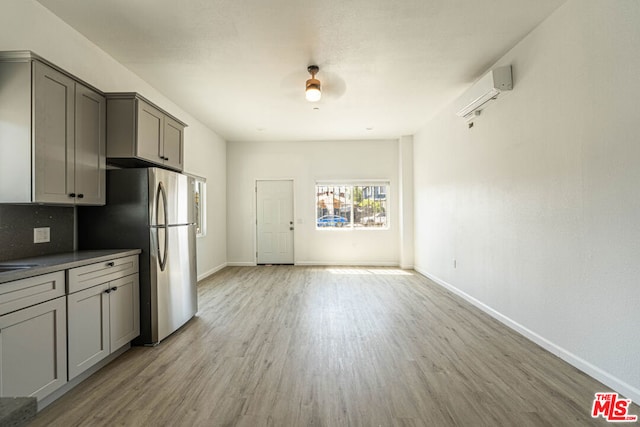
{"points": [[80, 196], [114, 289], [72, 194], [108, 291], [111, 264]]}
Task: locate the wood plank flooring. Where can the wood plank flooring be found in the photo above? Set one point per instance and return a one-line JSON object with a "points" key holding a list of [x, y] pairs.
{"points": [[301, 346]]}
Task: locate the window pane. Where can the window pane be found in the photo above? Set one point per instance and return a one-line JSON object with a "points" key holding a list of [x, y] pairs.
{"points": [[333, 206], [370, 206]]}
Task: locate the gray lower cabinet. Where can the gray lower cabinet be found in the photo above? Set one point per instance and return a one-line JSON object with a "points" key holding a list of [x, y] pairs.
{"points": [[33, 336], [141, 134], [101, 317], [88, 328], [53, 134], [57, 325], [124, 311]]}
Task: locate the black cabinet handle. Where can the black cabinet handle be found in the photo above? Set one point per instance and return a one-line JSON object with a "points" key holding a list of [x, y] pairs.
{"points": [[108, 291], [111, 264], [114, 289], [80, 196], [72, 194]]}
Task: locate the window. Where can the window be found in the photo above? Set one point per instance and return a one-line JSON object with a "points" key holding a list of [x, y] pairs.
{"points": [[354, 206], [200, 200]]}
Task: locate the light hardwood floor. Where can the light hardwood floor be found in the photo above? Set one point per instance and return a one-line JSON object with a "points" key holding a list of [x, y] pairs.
{"points": [[299, 346]]}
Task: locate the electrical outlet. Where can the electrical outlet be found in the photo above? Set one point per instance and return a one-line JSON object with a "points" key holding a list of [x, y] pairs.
{"points": [[41, 235]]}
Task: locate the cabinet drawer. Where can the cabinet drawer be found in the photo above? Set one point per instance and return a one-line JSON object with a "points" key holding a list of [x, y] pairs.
{"points": [[94, 274], [33, 290]]}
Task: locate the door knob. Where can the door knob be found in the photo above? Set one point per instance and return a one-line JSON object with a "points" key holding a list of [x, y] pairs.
{"points": [[291, 228]]}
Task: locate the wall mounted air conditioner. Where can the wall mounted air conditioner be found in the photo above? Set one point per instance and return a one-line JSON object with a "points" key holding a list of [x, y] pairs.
{"points": [[484, 90]]}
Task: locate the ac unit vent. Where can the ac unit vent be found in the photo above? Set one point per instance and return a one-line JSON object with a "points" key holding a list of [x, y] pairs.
{"points": [[484, 90]]}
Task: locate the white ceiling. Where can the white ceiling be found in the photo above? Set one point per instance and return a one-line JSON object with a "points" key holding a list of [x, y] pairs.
{"points": [[239, 66]]}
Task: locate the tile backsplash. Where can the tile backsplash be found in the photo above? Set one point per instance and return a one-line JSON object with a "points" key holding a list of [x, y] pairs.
{"points": [[16, 230]]}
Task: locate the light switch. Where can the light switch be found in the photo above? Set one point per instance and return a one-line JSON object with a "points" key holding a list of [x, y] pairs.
{"points": [[41, 235]]}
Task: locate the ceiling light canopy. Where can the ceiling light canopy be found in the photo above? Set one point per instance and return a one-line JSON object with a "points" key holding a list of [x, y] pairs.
{"points": [[312, 91]]}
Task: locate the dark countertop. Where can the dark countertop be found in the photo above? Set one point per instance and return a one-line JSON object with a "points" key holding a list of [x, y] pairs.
{"points": [[50, 263], [17, 411]]}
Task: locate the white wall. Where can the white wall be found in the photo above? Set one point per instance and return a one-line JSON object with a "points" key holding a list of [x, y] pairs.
{"points": [[207, 157], [27, 25], [305, 163], [539, 201]]}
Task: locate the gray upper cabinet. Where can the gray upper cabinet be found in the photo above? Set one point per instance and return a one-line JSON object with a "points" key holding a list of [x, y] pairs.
{"points": [[90, 147], [173, 142], [52, 135], [140, 134], [150, 133]]}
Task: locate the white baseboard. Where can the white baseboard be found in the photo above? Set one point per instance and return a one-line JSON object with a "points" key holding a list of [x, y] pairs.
{"points": [[212, 271], [618, 385], [328, 264], [241, 264], [349, 264]]}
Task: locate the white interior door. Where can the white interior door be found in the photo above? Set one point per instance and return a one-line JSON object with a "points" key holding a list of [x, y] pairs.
{"points": [[274, 202]]}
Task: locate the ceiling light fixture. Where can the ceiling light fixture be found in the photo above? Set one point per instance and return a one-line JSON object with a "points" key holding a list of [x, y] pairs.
{"points": [[312, 91]]}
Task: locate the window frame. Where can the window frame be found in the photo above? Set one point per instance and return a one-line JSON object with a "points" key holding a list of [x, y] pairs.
{"points": [[351, 184], [200, 205]]}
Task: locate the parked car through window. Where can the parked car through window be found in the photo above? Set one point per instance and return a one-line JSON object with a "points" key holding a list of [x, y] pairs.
{"points": [[352, 206]]}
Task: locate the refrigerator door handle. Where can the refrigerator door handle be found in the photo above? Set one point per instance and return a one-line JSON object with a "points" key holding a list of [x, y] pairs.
{"points": [[162, 257]]}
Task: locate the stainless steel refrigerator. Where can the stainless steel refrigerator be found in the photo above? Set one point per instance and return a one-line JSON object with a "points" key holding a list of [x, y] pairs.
{"points": [[151, 209]]}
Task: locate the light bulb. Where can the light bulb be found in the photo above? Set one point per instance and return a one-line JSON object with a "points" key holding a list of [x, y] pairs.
{"points": [[312, 87], [313, 93]]}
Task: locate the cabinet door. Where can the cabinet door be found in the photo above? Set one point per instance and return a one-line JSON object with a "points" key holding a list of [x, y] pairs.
{"points": [[90, 118], [124, 310], [150, 130], [33, 350], [173, 143], [53, 135], [88, 323]]}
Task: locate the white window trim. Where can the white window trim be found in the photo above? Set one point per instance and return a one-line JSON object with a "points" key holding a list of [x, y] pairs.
{"points": [[353, 183], [202, 214]]}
